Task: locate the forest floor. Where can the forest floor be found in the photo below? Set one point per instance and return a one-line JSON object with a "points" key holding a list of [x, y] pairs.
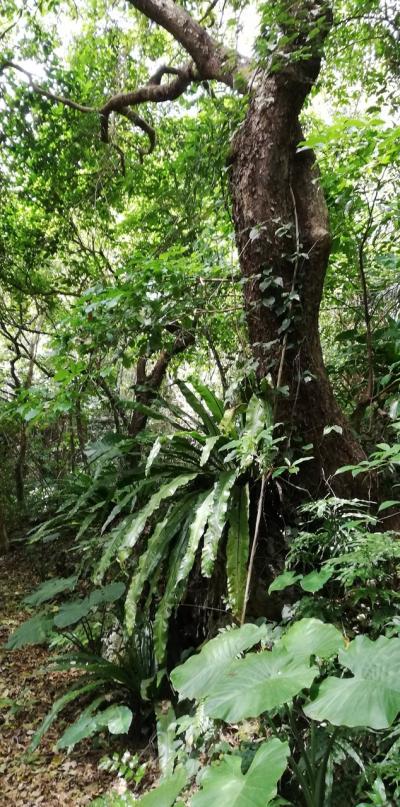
{"points": [[46, 777]]}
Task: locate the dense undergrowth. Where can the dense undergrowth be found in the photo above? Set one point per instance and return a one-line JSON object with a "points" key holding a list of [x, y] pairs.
{"points": [[311, 696], [199, 400]]}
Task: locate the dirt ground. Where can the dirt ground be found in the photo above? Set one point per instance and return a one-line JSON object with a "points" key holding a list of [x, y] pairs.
{"points": [[46, 777]]}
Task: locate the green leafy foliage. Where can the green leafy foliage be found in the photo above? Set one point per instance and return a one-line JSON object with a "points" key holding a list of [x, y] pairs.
{"points": [[256, 788], [199, 673], [36, 630], [117, 719], [50, 589], [372, 696]]}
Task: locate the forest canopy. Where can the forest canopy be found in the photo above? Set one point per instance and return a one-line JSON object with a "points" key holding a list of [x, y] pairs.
{"points": [[199, 400]]}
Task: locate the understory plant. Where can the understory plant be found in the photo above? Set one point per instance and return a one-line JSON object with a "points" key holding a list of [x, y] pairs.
{"points": [[112, 665], [296, 705], [158, 506]]}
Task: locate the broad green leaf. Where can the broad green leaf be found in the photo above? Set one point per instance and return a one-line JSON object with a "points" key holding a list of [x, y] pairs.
{"points": [[217, 521], [181, 564], [258, 683], [283, 581], [34, 631], [84, 726], [165, 794], [197, 676], [110, 593], [214, 404], [50, 589], [224, 783], [57, 707], [197, 406], [311, 637], [156, 553], [316, 580], [165, 492], [72, 612], [117, 719], [237, 548], [372, 697], [208, 447]]}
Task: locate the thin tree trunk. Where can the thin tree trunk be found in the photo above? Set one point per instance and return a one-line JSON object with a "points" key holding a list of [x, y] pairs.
{"points": [[4, 539]]}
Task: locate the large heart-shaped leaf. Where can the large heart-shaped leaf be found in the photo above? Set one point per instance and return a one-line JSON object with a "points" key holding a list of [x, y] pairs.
{"points": [[372, 697], [106, 594], [258, 683], [195, 678], [72, 612], [34, 631], [50, 589], [225, 784], [314, 581], [166, 793], [311, 637]]}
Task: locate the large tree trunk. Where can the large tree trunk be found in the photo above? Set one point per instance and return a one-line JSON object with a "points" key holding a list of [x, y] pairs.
{"points": [[283, 240]]}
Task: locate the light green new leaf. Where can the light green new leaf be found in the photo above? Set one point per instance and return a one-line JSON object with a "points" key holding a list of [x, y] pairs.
{"points": [[166, 739], [153, 454], [372, 697], [214, 404], [283, 581], [217, 521], [50, 589], [197, 676], [139, 522], [316, 580], [237, 548], [258, 683], [225, 784], [34, 631], [311, 637]]}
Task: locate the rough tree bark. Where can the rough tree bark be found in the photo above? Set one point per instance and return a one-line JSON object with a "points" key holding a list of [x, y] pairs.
{"points": [[283, 240]]}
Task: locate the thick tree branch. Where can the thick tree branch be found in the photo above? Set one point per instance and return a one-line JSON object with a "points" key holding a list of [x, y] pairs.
{"points": [[212, 60]]}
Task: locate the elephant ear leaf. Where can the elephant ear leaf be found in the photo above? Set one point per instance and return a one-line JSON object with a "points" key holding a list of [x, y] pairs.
{"points": [[312, 637], [34, 631], [166, 793], [50, 589], [372, 696], [200, 672], [256, 788]]}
